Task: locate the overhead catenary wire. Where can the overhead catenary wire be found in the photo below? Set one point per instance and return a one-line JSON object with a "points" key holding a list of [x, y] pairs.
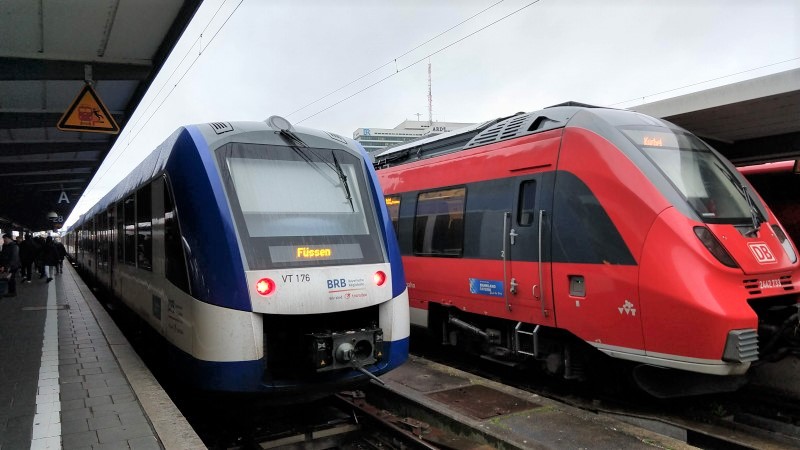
{"points": [[177, 66], [133, 135], [705, 81], [174, 86], [394, 60], [421, 59]]}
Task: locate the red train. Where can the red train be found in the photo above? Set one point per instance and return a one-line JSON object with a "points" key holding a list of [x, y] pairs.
{"points": [[550, 235]]}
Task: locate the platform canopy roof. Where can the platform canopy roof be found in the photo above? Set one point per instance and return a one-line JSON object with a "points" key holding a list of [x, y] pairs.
{"points": [[750, 122], [48, 49]]}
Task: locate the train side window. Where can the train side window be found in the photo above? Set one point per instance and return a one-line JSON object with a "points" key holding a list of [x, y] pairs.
{"points": [[439, 223], [144, 228], [129, 204], [112, 222], [526, 210], [174, 264], [92, 239], [393, 206], [119, 238]]}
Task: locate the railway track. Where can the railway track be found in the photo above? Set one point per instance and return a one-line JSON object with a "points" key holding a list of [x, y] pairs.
{"points": [[350, 420], [382, 418], [751, 418]]}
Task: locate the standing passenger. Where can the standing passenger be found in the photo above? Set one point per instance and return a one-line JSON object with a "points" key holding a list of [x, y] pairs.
{"points": [[49, 258], [62, 252], [27, 253], [38, 241], [9, 260]]}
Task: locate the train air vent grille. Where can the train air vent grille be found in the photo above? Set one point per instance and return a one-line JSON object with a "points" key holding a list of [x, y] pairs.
{"points": [[752, 286], [741, 346], [786, 283], [337, 138], [513, 126], [488, 135], [221, 127]]}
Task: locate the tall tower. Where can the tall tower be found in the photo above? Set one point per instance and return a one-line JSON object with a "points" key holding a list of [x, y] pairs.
{"points": [[430, 96]]}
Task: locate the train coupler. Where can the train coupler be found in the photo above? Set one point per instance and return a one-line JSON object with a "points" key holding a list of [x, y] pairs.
{"points": [[346, 349]]}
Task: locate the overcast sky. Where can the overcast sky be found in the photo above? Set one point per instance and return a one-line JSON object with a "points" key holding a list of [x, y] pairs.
{"points": [[250, 59]]}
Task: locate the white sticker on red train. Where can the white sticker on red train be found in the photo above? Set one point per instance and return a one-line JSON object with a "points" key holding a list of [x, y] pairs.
{"points": [[627, 308], [762, 253], [766, 284]]}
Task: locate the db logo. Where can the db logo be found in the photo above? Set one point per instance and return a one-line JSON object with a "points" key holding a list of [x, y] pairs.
{"points": [[762, 253]]}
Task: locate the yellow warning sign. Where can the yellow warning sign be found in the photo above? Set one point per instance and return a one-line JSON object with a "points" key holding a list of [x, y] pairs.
{"points": [[87, 113]]}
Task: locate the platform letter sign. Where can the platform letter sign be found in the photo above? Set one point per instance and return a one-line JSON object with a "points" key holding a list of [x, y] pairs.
{"points": [[63, 198], [87, 113]]}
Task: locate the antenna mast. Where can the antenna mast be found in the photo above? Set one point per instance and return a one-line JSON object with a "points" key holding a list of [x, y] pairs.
{"points": [[430, 96]]}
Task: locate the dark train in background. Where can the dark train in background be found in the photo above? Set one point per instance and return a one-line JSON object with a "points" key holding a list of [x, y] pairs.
{"points": [[779, 184], [560, 235], [261, 252]]}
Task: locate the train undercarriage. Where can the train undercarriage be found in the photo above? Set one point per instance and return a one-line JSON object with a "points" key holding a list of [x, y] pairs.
{"points": [[561, 354]]}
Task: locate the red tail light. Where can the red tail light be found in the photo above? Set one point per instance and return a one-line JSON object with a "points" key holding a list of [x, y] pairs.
{"points": [[379, 278], [265, 287]]}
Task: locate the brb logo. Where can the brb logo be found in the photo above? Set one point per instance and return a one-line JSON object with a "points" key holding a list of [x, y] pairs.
{"points": [[762, 253], [340, 283]]}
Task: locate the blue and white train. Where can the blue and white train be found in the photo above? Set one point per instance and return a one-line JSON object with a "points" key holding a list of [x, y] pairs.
{"points": [[261, 252]]}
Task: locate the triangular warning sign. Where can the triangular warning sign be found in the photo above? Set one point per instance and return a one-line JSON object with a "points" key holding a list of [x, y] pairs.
{"points": [[88, 113]]}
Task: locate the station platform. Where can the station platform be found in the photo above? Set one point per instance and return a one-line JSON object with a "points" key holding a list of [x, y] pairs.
{"points": [[69, 378]]}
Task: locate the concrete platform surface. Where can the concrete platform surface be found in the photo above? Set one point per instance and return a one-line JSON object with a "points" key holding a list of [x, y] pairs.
{"points": [[69, 379]]}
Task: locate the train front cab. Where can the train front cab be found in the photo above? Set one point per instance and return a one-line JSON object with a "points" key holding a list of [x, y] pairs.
{"points": [[715, 275], [320, 272], [583, 229]]}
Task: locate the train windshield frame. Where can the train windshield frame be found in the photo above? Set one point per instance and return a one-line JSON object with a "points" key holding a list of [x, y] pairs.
{"points": [[705, 182], [299, 206]]}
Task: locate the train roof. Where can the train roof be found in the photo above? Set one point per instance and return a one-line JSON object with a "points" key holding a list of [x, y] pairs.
{"points": [[500, 129]]}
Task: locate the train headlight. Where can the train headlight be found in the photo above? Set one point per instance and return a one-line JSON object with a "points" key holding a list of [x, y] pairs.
{"points": [[379, 278], [787, 246], [265, 287], [713, 246]]}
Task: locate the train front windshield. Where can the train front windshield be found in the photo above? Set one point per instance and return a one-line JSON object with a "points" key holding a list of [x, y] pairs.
{"points": [[706, 183], [298, 207]]}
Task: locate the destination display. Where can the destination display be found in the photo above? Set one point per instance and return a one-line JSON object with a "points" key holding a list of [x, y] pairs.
{"points": [[332, 252]]}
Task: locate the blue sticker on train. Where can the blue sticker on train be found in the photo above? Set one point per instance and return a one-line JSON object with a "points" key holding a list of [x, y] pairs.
{"points": [[486, 287]]}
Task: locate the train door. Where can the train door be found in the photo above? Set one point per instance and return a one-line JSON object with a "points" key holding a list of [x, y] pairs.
{"points": [[527, 255]]}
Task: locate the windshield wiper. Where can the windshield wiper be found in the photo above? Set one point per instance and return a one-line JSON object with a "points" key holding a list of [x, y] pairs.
{"points": [[297, 144], [755, 213], [343, 179], [292, 138]]}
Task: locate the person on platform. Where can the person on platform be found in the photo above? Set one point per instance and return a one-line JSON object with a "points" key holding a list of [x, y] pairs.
{"points": [[9, 263], [38, 241], [49, 258], [27, 254], [62, 253]]}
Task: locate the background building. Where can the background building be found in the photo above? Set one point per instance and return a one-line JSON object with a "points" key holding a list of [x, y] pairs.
{"points": [[377, 139]]}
